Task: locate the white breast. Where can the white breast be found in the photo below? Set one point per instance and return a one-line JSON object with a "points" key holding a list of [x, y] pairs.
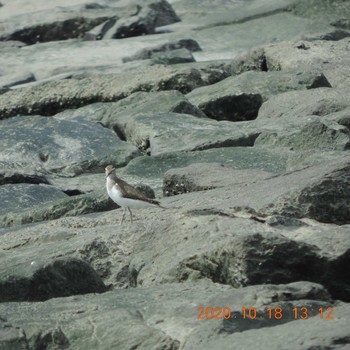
{"points": [[117, 197]]}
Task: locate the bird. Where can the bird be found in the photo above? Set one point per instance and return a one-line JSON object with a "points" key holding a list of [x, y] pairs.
{"points": [[125, 195]]}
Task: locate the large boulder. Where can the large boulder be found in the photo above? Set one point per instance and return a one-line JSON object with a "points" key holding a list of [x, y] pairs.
{"points": [[49, 144], [239, 97]]}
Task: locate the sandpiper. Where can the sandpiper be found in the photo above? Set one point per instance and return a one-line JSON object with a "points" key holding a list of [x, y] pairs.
{"points": [[126, 195]]}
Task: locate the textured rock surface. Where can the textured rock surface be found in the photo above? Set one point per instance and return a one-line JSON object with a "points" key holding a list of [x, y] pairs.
{"points": [[234, 114], [240, 97], [37, 143]]}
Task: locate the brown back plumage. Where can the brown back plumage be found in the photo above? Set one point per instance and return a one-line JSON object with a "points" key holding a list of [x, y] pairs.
{"points": [[131, 192]]}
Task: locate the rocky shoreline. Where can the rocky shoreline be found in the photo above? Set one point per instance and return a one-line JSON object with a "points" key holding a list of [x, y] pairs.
{"points": [[235, 115]]}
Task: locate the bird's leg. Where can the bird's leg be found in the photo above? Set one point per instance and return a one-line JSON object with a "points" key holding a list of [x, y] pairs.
{"points": [[130, 214], [123, 216]]}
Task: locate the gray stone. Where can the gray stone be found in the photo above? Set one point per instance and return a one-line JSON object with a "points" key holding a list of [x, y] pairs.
{"points": [[160, 133], [313, 333], [145, 317], [54, 96], [20, 78], [204, 176], [173, 57], [149, 15], [57, 23], [189, 44], [152, 169], [329, 57], [69, 147], [15, 198], [240, 97], [319, 192], [296, 104], [315, 135], [323, 10], [61, 277], [115, 115], [12, 338], [68, 206]]}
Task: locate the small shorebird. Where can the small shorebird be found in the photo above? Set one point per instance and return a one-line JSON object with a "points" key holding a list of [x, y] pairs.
{"points": [[125, 195]]}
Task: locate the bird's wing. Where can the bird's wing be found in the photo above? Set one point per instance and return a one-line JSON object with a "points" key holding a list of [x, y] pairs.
{"points": [[133, 193]]}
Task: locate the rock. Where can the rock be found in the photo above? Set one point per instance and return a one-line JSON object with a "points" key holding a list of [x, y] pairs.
{"points": [[318, 192], [296, 104], [115, 115], [68, 206], [203, 176], [241, 252], [11, 338], [17, 197], [315, 332], [10, 177], [173, 57], [149, 15], [328, 57], [143, 316], [323, 11], [54, 96], [144, 54], [239, 98], [57, 23], [62, 277], [9, 81], [154, 168], [315, 135], [335, 249], [159, 133], [49, 144]]}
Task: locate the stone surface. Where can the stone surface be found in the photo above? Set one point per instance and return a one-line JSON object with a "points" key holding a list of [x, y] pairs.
{"points": [[15, 198], [61, 277], [255, 212], [201, 177], [297, 104], [318, 192], [150, 312], [239, 97], [315, 135], [160, 133], [146, 16], [54, 96], [20, 78], [67, 22], [328, 57], [50, 144], [115, 115]]}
